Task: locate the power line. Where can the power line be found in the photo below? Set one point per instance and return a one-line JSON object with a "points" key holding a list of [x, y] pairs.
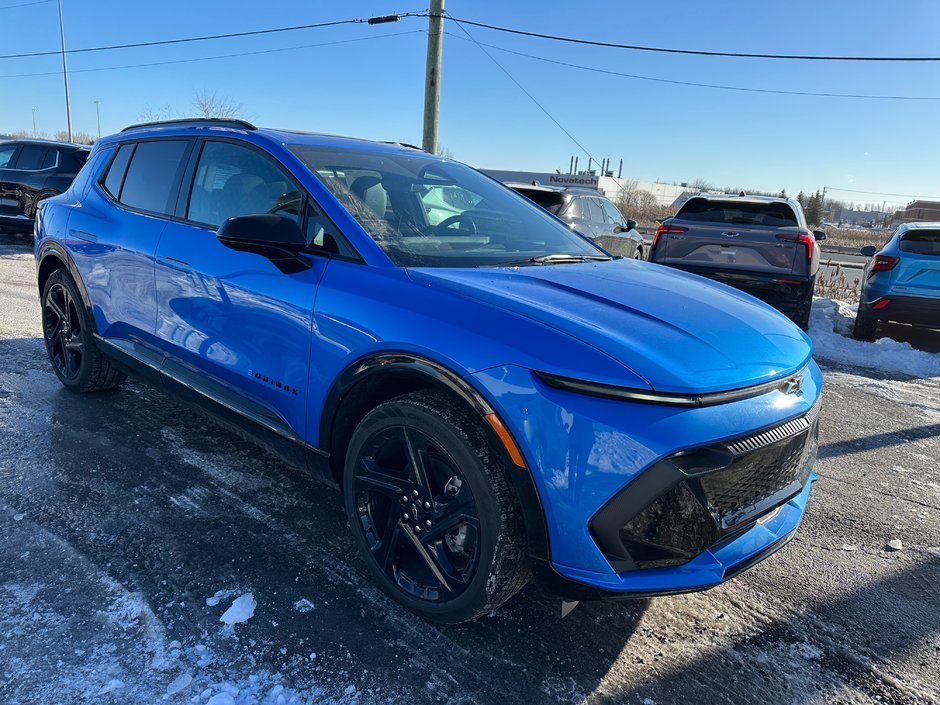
{"points": [[691, 52], [699, 85], [25, 4], [522, 88], [881, 193], [210, 37], [217, 56]]}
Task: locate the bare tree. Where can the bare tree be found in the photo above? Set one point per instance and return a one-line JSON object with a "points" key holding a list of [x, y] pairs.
{"points": [[212, 105], [151, 114], [77, 137]]}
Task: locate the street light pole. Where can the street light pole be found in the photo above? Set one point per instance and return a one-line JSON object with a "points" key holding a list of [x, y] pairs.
{"points": [[432, 79], [34, 123], [98, 115], [65, 74]]}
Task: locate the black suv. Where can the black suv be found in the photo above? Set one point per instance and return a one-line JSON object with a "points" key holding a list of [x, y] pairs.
{"points": [[758, 244], [590, 214], [31, 170]]}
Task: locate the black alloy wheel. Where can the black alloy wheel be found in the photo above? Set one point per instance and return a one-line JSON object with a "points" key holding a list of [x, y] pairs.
{"points": [[64, 330], [430, 509], [67, 329], [417, 513]]}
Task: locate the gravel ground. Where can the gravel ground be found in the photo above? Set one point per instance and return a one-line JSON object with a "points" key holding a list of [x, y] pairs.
{"points": [[128, 525]]}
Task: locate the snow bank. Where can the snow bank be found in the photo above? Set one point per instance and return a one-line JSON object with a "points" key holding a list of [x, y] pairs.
{"points": [[242, 609], [830, 327]]}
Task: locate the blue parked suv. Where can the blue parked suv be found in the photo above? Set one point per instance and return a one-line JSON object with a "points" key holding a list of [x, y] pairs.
{"points": [[902, 281], [494, 394]]}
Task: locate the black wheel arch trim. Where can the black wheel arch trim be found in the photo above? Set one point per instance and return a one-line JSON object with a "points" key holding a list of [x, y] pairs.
{"points": [[55, 249], [411, 364]]}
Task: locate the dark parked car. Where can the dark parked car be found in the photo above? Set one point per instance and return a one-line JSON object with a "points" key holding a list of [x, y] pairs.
{"points": [[760, 245], [902, 281], [590, 214], [31, 170]]}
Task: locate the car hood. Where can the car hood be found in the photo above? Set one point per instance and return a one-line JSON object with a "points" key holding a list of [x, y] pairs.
{"points": [[679, 332]]}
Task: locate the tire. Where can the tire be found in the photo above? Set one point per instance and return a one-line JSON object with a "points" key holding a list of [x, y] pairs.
{"points": [[67, 329], [801, 316], [431, 511], [866, 328], [638, 254]]}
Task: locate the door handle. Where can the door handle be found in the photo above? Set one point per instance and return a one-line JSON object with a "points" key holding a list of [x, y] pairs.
{"points": [[173, 263], [82, 235]]}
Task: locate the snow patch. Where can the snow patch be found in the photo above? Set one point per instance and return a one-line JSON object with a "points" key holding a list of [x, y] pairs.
{"points": [[830, 327], [303, 605], [241, 610]]}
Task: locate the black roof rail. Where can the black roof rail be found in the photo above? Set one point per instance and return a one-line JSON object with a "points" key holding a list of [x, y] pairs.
{"points": [[196, 122]]}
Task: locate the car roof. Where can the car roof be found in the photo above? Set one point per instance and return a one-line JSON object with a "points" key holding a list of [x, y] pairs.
{"points": [[573, 190], [744, 198], [47, 143], [929, 225], [200, 126]]}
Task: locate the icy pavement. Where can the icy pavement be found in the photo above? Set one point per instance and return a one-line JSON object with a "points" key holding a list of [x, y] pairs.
{"points": [[129, 526]]}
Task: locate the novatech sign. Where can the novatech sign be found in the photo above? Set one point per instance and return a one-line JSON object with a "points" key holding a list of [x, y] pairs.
{"points": [[544, 178]]}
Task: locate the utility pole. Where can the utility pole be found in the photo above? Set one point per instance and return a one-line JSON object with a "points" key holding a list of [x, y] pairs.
{"points": [[65, 74], [432, 79], [98, 115], [34, 122]]}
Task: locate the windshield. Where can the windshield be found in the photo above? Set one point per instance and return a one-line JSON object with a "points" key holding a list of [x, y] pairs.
{"points": [[436, 213]]}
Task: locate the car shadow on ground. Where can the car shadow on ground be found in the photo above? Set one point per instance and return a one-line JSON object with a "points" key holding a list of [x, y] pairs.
{"points": [[881, 440], [174, 508], [850, 640], [925, 339]]}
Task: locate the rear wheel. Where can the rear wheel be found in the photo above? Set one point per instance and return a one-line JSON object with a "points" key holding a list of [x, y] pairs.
{"points": [[866, 328], [67, 330], [430, 509]]}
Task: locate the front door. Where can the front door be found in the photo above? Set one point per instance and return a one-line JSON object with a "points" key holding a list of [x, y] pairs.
{"points": [[236, 323]]}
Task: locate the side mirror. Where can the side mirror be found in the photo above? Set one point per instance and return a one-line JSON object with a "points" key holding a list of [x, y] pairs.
{"points": [[869, 250], [819, 235], [264, 230]]}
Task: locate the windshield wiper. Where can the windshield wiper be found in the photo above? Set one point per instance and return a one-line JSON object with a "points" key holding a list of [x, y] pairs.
{"points": [[564, 258]]}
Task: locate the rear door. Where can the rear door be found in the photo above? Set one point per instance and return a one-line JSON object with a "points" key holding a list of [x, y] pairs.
{"points": [[114, 234], [8, 205], [735, 235], [918, 271], [24, 179]]}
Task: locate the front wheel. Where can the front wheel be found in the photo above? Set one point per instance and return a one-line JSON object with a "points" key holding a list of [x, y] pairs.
{"points": [[430, 509], [67, 329]]}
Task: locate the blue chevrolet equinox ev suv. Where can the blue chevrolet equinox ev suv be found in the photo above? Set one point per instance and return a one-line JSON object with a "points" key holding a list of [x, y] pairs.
{"points": [[496, 396]]}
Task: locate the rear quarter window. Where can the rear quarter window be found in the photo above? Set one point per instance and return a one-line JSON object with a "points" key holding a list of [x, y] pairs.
{"points": [[921, 242], [115, 176], [152, 175], [778, 215]]}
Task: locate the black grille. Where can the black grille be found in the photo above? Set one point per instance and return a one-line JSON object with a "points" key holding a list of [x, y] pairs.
{"points": [[696, 499]]}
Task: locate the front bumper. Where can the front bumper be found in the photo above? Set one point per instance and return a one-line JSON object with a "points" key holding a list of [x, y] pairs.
{"points": [[586, 452]]}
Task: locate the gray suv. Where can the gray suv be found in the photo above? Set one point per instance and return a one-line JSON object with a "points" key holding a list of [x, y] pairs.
{"points": [[589, 213], [758, 244]]}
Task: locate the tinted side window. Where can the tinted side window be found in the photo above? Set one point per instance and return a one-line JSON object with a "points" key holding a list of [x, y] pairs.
{"points": [[233, 180], [31, 157], [613, 214], [51, 158], [6, 155], [152, 175], [597, 213], [577, 209], [114, 179]]}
